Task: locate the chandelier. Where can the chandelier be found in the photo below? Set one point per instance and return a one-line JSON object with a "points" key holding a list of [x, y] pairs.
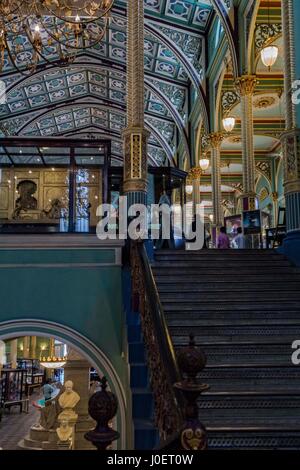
{"points": [[33, 31], [53, 362]]}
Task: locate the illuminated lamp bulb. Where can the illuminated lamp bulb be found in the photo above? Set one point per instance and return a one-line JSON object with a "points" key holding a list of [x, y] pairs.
{"points": [[269, 56], [204, 163], [228, 123], [189, 189]]}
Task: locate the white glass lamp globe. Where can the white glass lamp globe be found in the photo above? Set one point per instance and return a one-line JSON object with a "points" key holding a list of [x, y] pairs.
{"points": [[229, 123], [189, 189], [204, 163], [269, 55]]}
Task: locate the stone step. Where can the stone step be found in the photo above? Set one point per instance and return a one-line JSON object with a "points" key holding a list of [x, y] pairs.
{"points": [[235, 271], [32, 443], [214, 253], [22, 445], [228, 296], [231, 334], [175, 318], [275, 419], [241, 353], [226, 320], [250, 438], [166, 286], [249, 373], [232, 404], [168, 276], [225, 264], [38, 434], [230, 305], [219, 254]]}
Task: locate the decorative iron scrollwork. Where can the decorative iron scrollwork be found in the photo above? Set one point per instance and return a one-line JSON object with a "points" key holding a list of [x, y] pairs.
{"points": [[167, 414], [265, 33]]}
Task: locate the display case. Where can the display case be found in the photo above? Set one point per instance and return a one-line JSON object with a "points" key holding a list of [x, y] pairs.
{"points": [[13, 387], [35, 375]]}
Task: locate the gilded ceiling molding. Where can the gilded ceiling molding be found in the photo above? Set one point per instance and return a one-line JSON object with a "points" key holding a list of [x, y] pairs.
{"points": [[265, 169], [175, 114], [189, 68], [230, 34]]}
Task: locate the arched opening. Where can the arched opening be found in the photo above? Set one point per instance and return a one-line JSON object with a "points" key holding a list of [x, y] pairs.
{"points": [[84, 348]]}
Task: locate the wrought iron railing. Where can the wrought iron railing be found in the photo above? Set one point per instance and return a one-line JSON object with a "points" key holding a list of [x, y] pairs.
{"points": [[161, 358]]}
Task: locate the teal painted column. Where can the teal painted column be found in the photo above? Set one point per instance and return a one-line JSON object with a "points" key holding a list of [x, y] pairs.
{"points": [[290, 139]]}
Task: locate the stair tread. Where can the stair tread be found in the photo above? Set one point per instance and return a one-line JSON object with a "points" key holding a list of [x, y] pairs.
{"points": [[258, 312]]}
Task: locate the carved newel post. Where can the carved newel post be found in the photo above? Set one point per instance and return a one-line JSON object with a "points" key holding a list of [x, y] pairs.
{"points": [[103, 407], [191, 360]]}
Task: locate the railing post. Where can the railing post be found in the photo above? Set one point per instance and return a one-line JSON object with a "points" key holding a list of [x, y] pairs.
{"points": [[191, 360], [103, 408]]}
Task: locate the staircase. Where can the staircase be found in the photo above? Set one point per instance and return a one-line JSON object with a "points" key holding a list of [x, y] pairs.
{"points": [[243, 307], [145, 433]]}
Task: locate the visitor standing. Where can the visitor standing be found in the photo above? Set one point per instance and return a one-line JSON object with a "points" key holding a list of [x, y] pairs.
{"points": [[223, 242]]}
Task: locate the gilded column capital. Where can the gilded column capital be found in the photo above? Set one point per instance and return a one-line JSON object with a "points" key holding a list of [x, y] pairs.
{"points": [[246, 84], [195, 173], [215, 139]]}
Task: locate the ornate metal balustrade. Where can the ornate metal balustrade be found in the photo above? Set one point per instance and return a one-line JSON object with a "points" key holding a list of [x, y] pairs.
{"points": [[161, 357]]}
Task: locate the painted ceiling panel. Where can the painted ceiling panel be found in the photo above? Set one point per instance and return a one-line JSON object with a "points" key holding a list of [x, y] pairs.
{"points": [[182, 22]]}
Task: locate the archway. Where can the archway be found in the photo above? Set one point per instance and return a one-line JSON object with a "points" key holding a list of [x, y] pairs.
{"points": [[93, 354]]}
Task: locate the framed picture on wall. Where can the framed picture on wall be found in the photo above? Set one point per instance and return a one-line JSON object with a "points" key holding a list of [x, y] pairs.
{"points": [[252, 222]]}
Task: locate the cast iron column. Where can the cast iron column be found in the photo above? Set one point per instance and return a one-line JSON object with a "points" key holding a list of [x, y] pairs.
{"points": [[135, 135]]}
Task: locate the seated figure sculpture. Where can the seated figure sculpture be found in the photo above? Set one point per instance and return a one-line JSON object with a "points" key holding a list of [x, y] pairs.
{"points": [[49, 409], [68, 401], [54, 212]]}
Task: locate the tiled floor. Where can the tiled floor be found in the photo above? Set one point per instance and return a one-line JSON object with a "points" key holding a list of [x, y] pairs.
{"points": [[15, 425]]}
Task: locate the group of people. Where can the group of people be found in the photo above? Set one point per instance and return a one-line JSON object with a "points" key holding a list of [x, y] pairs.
{"points": [[223, 241]]}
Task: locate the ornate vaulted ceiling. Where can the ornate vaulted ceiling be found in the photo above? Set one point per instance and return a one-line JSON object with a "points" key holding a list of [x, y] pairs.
{"points": [[89, 96]]}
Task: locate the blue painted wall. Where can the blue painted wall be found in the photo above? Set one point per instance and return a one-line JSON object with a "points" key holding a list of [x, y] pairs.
{"points": [[79, 288]]}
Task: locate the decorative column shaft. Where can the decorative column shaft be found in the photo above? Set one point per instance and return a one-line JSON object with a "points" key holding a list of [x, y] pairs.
{"points": [[13, 353], [26, 347], [215, 140], [135, 135], [195, 175], [246, 86], [33, 347], [291, 138], [2, 354]]}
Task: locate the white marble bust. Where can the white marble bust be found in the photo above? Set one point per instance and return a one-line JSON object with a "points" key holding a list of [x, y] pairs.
{"points": [[68, 401]]}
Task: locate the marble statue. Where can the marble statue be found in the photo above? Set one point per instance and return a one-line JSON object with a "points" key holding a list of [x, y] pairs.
{"points": [[68, 401], [49, 410], [64, 431]]}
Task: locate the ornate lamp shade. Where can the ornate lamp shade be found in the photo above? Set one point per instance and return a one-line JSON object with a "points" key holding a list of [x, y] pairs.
{"points": [[228, 123], [53, 362], [204, 163], [269, 55], [189, 189]]}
